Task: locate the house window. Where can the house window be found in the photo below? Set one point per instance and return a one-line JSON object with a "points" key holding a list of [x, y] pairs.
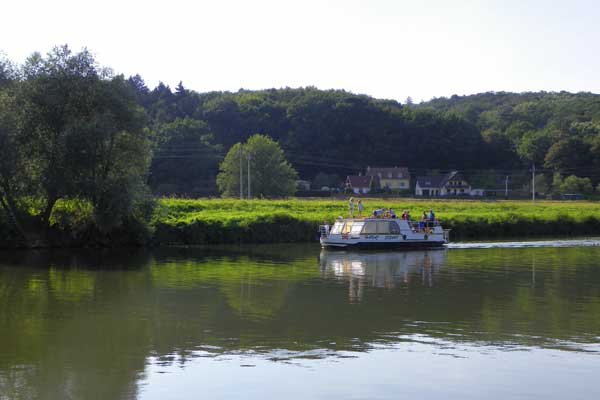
{"points": [[389, 174], [401, 184]]}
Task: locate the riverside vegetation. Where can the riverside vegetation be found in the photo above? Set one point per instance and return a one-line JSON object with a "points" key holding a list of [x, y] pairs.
{"points": [[86, 156], [215, 221]]}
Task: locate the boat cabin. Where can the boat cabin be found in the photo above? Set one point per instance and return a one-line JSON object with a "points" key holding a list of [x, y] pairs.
{"points": [[366, 227]]}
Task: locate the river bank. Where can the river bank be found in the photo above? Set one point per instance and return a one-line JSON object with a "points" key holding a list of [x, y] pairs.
{"points": [[221, 221]]}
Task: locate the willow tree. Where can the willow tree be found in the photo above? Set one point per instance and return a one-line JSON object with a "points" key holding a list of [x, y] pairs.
{"points": [[271, 175], [77, 133]]}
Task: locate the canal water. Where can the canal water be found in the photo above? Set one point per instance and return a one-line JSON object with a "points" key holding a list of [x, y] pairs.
{"points": [[498, 321]]}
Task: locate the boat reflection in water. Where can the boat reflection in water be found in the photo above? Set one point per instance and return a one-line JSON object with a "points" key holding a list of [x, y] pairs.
{"points": [[387, 270]]}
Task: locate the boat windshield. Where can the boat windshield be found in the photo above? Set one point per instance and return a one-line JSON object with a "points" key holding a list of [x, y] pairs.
{"points": [[380, 227], [356, 228], [337, 228], [346, 229], [370, 228]]}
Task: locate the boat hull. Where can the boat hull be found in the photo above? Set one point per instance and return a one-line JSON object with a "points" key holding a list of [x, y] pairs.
{"points": [[405, 244]]}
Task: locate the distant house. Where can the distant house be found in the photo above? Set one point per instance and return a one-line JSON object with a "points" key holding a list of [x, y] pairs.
{"points": [[391, 178], [362, 184], [302, 184], [451, 184]]}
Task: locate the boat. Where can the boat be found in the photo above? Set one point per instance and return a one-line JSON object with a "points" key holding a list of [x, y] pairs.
{"points": [[383, 233]]}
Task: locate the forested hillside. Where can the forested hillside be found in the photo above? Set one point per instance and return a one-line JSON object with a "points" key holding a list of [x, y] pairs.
{"points": [[332, 133], [556, 131], [327, 132]]}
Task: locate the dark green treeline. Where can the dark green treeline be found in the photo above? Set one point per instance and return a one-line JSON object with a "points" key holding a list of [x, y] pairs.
{"points": [[327, 134]]}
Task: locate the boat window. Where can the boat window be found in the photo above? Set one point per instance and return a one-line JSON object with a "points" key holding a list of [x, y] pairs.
{"points": [[383, 227], [346, 229], [356, 228], [337, 228], [370, 228], [394, 228]]}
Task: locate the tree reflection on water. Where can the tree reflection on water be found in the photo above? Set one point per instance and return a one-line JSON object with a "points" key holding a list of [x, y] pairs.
{"points": [[85, 324]]}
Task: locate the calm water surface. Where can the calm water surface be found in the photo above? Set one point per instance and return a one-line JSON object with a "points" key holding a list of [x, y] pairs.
{"points": [[296, 322]]}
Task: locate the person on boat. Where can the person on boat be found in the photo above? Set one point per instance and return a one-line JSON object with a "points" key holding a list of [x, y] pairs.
{"points": [[404, 215], [326, 228], [393, 214], [407, 215], [378, 213], [431, 218], [423, 221], [351, 207], [360, 208]]}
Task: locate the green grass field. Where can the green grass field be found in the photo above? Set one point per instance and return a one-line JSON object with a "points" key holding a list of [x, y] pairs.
{"points": [[216, 221], [228, 220]]}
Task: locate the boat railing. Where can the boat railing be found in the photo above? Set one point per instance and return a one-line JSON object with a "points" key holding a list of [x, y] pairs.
{"points": [[324, 230]]}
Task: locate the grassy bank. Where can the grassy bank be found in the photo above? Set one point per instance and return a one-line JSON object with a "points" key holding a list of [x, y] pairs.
{"points": [[229, 221], [191, 222]]}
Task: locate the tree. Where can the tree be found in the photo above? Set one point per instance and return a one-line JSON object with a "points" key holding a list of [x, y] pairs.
{"points": [[270, 173], [184, 145], [534, 145], [79, 134], [574, 184], [322, 179], [556, 183], [14, 180], [140, 89], [7, 71], [568, 153]]}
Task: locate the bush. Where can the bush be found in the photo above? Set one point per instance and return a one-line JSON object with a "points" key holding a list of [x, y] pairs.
{"points": [[574, 184]]}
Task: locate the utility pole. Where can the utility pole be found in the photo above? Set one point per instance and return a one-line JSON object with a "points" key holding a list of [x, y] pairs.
{"points": [[506, 188], [533, 183], [249, 157], [241, 176]]}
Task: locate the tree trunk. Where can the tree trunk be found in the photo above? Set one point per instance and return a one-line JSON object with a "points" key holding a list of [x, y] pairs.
{"points": [[10, 207], [45, 220]]}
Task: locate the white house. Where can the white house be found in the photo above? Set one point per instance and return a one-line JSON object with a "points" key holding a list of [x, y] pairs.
{"points": [[362, 184], [451, 184], [396, 178]]}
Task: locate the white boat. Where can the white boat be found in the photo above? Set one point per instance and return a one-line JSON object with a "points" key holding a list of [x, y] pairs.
{"points": [[374, 233]]}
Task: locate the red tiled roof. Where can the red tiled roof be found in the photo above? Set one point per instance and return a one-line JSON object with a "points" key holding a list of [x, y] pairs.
{"points": [[360, 181]]}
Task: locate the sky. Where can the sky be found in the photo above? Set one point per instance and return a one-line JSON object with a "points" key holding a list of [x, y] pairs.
{"points": [[382, 48]]}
